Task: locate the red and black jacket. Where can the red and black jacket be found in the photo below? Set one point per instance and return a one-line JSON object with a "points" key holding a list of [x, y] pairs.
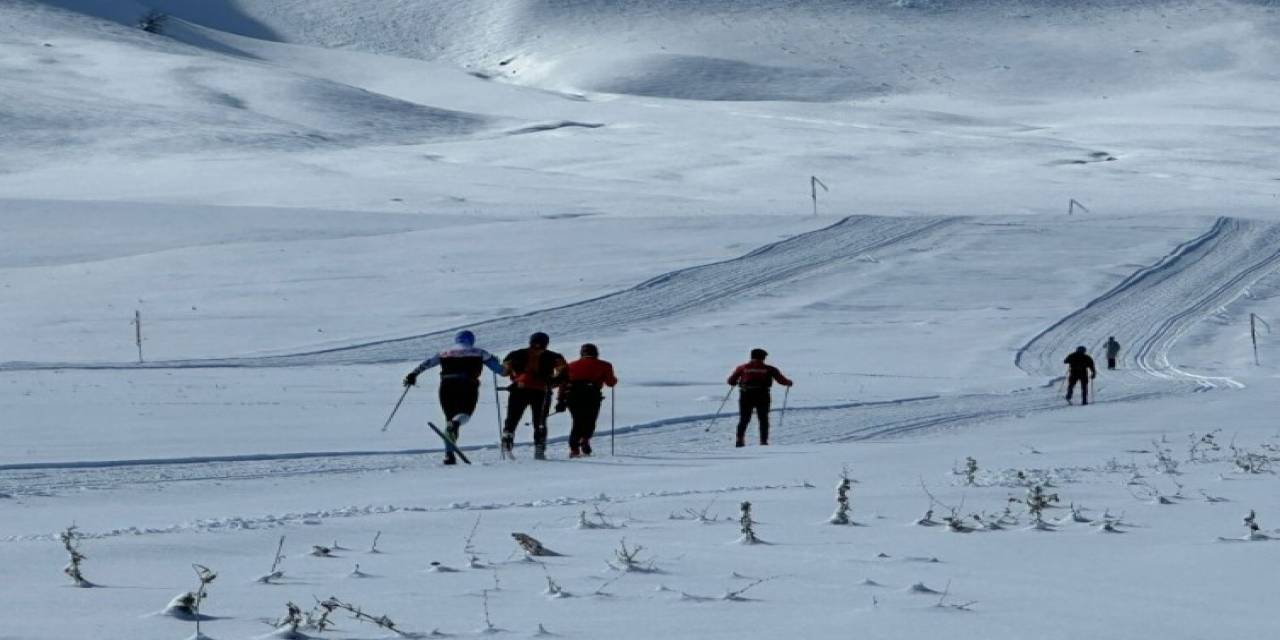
{"points": [[757, 375]]}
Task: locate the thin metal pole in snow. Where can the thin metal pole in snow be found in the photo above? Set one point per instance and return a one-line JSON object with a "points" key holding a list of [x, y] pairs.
{"points": [[137, 332], [718, 411], [785, 394], [396, 408], [613, 414], [814, 183], [497, 405]]}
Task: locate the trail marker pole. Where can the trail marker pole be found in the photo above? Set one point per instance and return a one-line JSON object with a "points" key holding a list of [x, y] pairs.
{"points": [[1253, 335], [613, 414], [814, 183], [1074, 204], [137, 332]]}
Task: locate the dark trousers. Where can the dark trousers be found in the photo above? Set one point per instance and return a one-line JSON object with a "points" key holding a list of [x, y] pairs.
{"points": [[1111, 363], [457, 396], [584, 407], [1083, 379], [757, 401], [538, 401]]}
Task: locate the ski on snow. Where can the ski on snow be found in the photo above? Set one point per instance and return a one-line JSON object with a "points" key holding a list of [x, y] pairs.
{"points": [[449, 443]]}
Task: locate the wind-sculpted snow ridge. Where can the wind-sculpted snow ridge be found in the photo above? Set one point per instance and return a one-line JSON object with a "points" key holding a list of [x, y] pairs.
{"points": [[682, 292]]}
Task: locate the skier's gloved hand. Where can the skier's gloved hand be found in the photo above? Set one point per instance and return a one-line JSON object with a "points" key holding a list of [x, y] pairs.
{"points": [[411, 379], [561, 405]]}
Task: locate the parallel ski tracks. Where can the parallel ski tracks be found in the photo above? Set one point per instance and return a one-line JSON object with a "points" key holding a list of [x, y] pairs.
{"points": [[682, 292], [1154, 307]]}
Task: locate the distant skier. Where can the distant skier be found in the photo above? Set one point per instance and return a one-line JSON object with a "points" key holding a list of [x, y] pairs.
{"points": [[753, 380], [533, 370], [1079, 369], [460, 369], [581, 393], [1113, 351]]}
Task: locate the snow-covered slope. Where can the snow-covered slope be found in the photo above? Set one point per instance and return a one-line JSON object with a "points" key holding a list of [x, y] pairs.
{"points": [[305, 197], [945, 102]]}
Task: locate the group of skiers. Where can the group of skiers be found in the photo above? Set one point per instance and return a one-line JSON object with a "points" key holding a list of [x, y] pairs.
{"points": [[541, 378], [538, 375], [1081, 370]]}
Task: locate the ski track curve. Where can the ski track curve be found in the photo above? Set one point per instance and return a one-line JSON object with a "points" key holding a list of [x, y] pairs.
{"points": [[669, 295], [1152, 308]]}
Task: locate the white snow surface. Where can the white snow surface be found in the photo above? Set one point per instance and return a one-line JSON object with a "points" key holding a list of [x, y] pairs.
{"points": [[303, 199]]}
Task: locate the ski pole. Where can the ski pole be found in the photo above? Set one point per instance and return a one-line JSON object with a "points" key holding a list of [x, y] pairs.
{"points": [[785, 394], [497, 405], [397, 408], [718, 411], [613, 413]]}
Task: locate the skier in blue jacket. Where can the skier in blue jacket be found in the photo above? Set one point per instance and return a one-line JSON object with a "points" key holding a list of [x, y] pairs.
{"points": [[460, 369]]}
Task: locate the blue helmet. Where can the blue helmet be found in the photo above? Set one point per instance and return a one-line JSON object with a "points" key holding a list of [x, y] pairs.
{"points": [[465, 337]]}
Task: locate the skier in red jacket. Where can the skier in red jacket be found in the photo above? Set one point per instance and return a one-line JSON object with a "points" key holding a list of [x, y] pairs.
{"points": [[581, 394], [753, 380]]}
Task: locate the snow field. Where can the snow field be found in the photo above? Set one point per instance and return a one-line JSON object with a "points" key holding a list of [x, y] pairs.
{"points": [[336, 187], [1139, 582]]}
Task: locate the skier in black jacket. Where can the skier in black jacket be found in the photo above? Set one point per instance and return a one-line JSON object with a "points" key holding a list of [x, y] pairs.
{"points": [[534, 371], [460, 369], [1079, 369]]}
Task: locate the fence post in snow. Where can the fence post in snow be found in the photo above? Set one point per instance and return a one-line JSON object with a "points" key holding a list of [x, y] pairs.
{"points": [[137, 332], [814, 183]]}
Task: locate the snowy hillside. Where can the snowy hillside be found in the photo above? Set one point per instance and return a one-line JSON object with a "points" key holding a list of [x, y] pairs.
{"points": [[303, 199]]}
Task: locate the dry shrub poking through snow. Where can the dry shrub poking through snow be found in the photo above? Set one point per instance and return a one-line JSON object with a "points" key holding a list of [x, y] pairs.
{"points": [[71, 542]]}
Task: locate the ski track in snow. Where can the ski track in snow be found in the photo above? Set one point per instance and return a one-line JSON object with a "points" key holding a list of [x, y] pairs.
{"points": [[681, 292], [1154, 307]]}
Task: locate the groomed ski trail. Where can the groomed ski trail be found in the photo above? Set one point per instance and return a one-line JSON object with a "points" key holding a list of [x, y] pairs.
{"points": [[1159, 304], [681, 292]]}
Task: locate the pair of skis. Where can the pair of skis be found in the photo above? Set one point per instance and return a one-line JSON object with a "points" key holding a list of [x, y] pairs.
{"points": [[450, 446]]}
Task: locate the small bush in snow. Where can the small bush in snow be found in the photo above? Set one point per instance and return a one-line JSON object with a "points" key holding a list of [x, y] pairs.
{"points": [[703, 515], [746, 524], [970, 471], [841, 516], [71, 542], [186, 606], [275, 573], [1036, 502], [288, 625], [1200, 446], [1254, 531], [628, 559], [597, 520], [380, 621], [1250, 462]]}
